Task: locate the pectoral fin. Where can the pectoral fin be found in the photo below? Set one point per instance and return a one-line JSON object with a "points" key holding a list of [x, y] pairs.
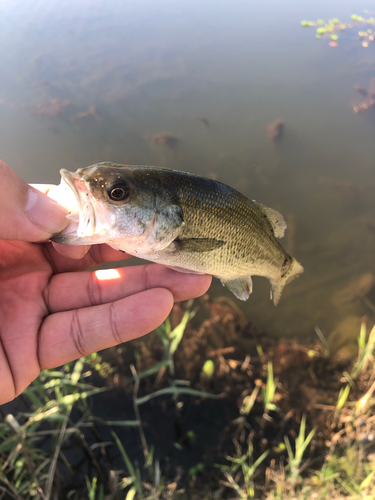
{"points": [[240, 287], [198, 244]]}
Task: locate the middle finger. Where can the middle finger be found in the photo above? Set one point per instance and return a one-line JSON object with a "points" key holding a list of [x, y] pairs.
{"points": [[68, 291]]}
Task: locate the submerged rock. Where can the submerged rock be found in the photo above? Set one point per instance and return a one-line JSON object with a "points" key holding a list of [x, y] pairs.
{"points": [[369, 97], [53, 107], [164, 139], [205, 121], [275, 129]]}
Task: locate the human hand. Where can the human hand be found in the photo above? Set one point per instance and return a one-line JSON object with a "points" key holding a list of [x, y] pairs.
{"points": [[52, 310]]}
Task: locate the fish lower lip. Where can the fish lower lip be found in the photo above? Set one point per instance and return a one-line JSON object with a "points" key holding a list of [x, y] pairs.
{"points": [[86, 212], [63, 238], [70, 239]]}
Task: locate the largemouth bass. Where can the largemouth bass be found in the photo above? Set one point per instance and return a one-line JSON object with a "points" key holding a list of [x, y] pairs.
{"points": [[184, 221]]}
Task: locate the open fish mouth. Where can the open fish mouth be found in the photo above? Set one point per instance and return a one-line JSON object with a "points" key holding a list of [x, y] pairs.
{"points": [[81, 191], [73, 193]]}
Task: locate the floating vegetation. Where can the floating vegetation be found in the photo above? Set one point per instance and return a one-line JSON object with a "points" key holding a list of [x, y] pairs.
{"points": [[331, 29]]}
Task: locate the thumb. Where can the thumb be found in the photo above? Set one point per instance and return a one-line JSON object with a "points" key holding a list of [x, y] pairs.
{"points": [[26, 213]]}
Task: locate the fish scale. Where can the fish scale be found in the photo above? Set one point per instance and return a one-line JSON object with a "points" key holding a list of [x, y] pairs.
{"points": [[181, 220]]}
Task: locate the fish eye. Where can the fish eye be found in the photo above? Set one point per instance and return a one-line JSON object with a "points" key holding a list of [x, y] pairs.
{"points": [[119, 191]]}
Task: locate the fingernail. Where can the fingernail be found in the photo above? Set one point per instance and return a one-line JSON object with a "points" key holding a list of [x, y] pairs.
{"points": [[45, 213]]}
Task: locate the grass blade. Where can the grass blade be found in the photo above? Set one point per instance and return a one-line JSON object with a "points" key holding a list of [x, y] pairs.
{"points": [[176, 391]]}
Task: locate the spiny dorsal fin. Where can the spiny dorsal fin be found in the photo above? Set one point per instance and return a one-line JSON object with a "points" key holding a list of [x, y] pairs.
{"points": [[276, 219]]}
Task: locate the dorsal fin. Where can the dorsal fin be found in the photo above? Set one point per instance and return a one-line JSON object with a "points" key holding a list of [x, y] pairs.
{"points": [[276, 219]]}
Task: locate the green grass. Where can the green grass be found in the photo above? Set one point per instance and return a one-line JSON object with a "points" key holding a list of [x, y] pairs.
{"points": [[34, 464], [270, 390], [243, 461]]}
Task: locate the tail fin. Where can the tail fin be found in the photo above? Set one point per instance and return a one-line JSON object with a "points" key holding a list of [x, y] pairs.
{"points": [[277, 286]]}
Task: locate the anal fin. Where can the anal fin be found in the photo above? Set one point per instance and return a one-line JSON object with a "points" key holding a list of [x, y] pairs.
{"points": [[240, 287]]}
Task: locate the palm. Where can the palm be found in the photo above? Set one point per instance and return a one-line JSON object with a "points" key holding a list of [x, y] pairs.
{"points": [[51, 312], [28, 296]]}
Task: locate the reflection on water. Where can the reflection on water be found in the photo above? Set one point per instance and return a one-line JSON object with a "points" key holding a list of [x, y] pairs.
{"points": [[193, 86]]}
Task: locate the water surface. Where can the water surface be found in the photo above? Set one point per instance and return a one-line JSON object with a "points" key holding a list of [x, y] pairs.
{"points": [[91, 81]]}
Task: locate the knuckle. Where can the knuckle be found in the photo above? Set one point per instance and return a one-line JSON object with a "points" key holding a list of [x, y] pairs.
{"points": [[77, 334], [114, 324], [146, 277], [93, 290]]}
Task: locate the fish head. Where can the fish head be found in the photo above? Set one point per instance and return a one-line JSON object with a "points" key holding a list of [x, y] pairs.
{"points": [[118, 205]]}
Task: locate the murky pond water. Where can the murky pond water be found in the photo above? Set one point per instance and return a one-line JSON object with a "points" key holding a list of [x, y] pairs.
{"points": [[84, 82]]}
